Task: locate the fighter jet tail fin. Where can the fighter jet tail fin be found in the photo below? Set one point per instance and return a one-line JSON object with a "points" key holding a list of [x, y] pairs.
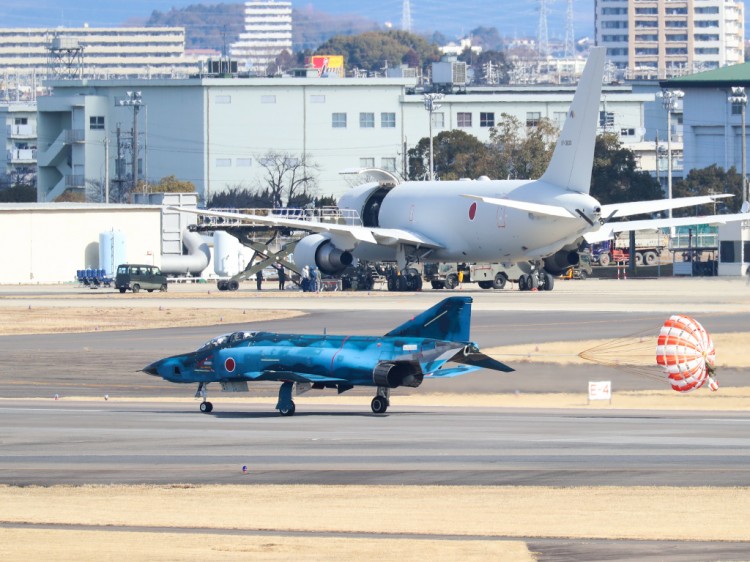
{"points": [[449, 320]]}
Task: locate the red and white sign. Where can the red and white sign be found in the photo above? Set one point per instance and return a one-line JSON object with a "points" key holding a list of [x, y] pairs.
{"points": [[600, 390]]}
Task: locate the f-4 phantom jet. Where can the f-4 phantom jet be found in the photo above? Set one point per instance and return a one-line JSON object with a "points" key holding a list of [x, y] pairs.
{"points": [[434, 344]]}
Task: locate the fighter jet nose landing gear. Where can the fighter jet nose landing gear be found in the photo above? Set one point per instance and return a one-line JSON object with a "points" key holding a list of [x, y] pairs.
{"points": [[205, 407]]}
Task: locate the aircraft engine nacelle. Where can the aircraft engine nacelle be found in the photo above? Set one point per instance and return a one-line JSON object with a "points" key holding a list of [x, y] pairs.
{"points": [[317, 250], [560, 261], [393, 375]]}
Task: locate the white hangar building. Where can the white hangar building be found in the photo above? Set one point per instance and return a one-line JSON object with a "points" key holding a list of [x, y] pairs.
{"points": [[214, 131]]}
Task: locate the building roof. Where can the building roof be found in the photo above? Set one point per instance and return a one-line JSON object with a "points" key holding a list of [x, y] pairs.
{"points": [[725, 77]]}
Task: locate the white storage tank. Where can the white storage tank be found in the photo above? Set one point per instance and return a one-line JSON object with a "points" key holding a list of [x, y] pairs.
{"points": [[112, 250], [227, 254]]}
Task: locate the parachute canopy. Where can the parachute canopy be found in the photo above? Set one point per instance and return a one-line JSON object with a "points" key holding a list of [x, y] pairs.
{"points": [[687, 353]]}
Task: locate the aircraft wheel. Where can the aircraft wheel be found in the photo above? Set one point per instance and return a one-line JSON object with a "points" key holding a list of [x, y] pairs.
{"points": [[522, 282], [233, 285], [402, 284], [532, 282], [391, 284], [549, 282], [206, 407], [500, 280], [288, 411], [379, 405]]}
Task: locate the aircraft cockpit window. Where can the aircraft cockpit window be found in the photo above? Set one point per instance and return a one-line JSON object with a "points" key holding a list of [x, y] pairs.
{"points": [[216, 342], [238, 337]]}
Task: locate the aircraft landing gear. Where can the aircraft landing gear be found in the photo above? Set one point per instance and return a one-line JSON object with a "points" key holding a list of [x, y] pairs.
{"points": [[538, 280], [381, 401], [205, 407], [285, 405]]}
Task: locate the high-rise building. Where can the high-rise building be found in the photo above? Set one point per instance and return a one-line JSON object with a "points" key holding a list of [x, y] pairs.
{"points": [[268, 32], [657, 39]]}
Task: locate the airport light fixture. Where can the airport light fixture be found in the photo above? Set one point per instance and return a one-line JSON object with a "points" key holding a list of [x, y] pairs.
{"points": [[669, 99], [739, 97], [431, 105], [134, 100]]}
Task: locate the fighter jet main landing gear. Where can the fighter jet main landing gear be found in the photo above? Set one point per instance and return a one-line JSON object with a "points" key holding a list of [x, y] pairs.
{"points": [[381, 401], [285, 405], [205, 407]]}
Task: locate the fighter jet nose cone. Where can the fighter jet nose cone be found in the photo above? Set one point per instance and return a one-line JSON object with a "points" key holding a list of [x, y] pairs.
{"points": [[152, 369]]}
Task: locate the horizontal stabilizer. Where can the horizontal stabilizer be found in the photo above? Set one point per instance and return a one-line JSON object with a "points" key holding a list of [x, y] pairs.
{"points": [[653, 206], [453, 371], [538, 208], [480, 360]]}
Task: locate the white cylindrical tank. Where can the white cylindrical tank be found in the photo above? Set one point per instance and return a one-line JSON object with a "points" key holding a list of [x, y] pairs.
{"points": [[227, 254], [112, 250]]}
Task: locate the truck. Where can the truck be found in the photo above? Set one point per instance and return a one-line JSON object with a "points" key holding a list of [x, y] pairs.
{"points": [[649, 244], [486, 275]]}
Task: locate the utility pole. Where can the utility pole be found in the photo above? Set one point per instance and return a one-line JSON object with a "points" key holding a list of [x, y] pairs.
{"points": [[106, 169], [739, 97], [134, 100], [669, 101], [431, 105]]}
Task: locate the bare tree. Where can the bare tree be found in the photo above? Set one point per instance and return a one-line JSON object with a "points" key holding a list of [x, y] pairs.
{"points": [[288, 177]]}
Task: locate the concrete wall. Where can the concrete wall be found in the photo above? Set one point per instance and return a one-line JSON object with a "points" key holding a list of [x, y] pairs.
{"points": [[48, 243]]}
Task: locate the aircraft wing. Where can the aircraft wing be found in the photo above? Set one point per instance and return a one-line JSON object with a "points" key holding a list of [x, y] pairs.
{"points": [[641, 207], [349, 234], [290, 376], [607, 230]]}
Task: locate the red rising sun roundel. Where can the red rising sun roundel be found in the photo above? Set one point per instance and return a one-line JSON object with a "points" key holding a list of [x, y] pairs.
{"points": [[473, 211], [229, 364]]}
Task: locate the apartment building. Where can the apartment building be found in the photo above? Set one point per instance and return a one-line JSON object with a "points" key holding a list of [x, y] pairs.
{"points": [[89, 52], [658, 39], [268, 32], [18, 123]]}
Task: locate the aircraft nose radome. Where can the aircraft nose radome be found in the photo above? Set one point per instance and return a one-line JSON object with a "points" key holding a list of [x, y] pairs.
{"points": [[152, 369]]}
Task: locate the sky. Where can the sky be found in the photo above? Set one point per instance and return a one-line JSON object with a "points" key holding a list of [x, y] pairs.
{"points": [[512, 18]]}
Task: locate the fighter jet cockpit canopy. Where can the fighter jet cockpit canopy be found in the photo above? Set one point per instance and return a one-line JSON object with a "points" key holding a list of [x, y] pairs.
{"points": [[227, 339]]}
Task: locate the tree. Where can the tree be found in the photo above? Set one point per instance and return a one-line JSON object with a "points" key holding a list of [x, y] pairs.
{"points": [[288, 177], [372, 50], [240, 197], [711, 180], [19, 193], [614, 178], [170, 184], [522, 152], [456, 154]]}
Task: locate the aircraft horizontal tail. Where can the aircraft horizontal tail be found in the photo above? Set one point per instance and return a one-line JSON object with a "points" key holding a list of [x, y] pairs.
{"points": [[448, 320]]}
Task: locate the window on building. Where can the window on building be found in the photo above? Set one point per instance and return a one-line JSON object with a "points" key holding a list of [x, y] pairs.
{"points": [[606, 120], [338, 120], [486, 119], [96, 122], [223, 162], [706, 23], [388, 164], [746, 246], [533, 118], [387, 120], [706, 37], [244, 162], [367, 162], [558, 117], [676, 50], [617, 52], [317, 99], [367, 120], [438, 120], [646, 23], [21, 121], [267, 99], [707, 51], [675, 23], [615, 24], [463, 119], [729, 251], [736, 108], [647, 37], [627, 132], [647, 11], [647, 51], [680, 37], [614, 11], [681, 11], [707, 10]]}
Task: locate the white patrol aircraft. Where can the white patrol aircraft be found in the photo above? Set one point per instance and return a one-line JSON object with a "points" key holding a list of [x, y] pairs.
{"points": [[542, 221]]}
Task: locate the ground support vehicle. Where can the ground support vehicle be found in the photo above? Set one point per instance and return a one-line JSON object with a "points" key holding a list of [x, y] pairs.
{"points": [[488, 276], [649, 245], [582, 270], [135, 277], [93, 278]]}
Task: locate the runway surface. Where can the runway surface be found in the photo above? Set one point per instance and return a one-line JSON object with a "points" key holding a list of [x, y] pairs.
{"points": [[104, 442]]}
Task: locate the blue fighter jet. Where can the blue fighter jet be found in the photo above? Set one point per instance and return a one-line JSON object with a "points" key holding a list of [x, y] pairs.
{"points": [[434, 344]]}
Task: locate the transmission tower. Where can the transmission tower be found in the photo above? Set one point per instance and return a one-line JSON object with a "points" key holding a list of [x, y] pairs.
{"points": [[406, 16], [542, 38], [570, 38]]}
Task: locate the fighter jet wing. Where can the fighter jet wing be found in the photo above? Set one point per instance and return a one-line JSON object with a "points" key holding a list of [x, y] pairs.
{"points": [[607, 230], [348, 235], [290, 376]]}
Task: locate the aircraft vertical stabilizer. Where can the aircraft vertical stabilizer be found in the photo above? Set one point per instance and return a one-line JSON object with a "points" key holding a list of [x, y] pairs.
{"points": [[448, 320], [573, 157]]}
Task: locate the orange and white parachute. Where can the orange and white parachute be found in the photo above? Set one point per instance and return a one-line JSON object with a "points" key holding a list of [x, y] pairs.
{"points": [[687, 353]]}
